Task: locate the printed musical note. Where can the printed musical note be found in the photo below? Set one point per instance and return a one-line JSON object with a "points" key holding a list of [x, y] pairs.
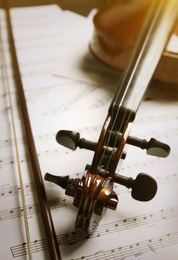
{"points": [[136, 249], [148, 220]]}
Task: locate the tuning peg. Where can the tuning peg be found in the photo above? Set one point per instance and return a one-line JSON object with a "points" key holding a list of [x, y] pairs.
{"points": [[62, 181], [73, 187], [144, 187], [72, 140], [153, 147]]}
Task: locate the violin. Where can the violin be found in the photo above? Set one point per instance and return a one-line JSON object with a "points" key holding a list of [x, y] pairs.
{"points": [[93, 193]]}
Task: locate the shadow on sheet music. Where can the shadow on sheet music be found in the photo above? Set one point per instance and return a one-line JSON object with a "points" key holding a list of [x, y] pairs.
{"points": [[86, 68]]}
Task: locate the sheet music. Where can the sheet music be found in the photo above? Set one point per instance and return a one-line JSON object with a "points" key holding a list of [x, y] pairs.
{"points": [[67, 88]]}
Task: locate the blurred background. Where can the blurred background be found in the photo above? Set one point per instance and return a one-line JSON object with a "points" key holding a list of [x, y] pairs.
{"points": [[79, 6]]}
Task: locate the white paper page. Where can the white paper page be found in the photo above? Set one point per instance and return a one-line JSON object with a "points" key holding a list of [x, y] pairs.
{"points": [[78, 99]]}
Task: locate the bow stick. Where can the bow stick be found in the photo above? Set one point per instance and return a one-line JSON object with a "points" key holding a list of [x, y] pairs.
{"points": [[45, 211]]}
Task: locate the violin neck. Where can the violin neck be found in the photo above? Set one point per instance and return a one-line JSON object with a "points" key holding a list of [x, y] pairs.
{"points": [[154, 35], [155, 32]]}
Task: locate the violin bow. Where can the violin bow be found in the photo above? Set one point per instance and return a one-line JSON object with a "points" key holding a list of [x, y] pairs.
{"points": [[45, 211]]}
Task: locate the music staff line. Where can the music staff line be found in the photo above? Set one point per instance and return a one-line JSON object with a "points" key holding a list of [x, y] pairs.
{"points": [[44, 138], [72, 101], [148, 220], [63, 107], [36, 246], [36, 88], [10, 160], [39, 93], [34, 72], [50, 136], [7, 190], [38, 14], [34, 208], [135, 249], [66, 106], [32, 39], [34, 24]]}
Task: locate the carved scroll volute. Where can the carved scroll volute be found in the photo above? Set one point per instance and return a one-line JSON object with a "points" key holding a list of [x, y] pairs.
{"points": [[92, 195]]}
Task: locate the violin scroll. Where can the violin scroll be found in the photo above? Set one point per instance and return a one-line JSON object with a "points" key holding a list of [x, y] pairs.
{"points": [[92, 195]]}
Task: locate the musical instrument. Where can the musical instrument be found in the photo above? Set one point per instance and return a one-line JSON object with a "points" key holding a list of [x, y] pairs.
{"points": [[116, 28], [93, 193]]}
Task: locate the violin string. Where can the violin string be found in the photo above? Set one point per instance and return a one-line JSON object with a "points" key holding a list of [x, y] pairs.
{"points": [[114, 122], [130, 114], [158, 11], [6, 83], [125, 113]]}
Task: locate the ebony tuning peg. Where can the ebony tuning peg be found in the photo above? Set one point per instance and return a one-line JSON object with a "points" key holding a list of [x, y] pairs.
{"points": [[144, 187], [62, 181], [72, 140], [153, 146]]}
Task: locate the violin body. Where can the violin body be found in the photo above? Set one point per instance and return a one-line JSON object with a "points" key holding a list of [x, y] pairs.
{"points": [[116, 28]]}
